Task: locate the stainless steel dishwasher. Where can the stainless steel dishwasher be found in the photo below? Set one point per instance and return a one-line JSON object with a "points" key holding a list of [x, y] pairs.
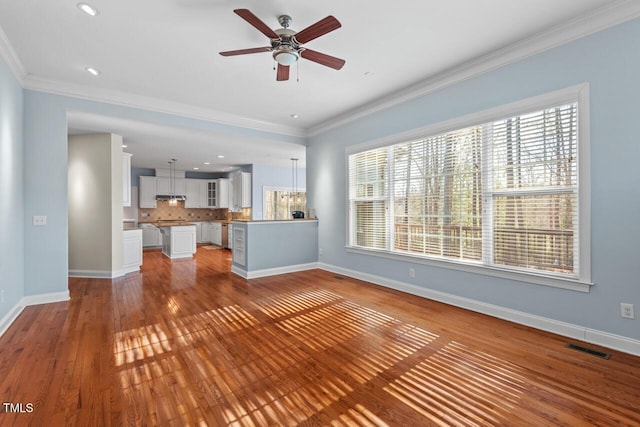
{"points": [[225, 235]]}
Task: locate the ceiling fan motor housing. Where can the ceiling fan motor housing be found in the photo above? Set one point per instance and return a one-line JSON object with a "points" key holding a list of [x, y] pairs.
{"points": [[285, 49]]}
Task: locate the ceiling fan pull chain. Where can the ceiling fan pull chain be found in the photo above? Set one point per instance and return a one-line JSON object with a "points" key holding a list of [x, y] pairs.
{"points": [[298, 72]]}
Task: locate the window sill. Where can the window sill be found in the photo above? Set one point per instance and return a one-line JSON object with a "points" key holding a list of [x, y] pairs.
{"points": [[538, 279]]}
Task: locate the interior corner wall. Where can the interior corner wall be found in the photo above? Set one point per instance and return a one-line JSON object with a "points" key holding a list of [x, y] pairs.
{"points": [[116, 176], [12, 215], [608, 61], [90, 204]]}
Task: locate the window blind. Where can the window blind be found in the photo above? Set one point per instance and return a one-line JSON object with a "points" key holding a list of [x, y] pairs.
{"points": [[368, 192], [534, 194], [502, 194]]}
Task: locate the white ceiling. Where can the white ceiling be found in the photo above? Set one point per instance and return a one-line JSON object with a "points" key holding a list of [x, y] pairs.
{"points": [[163, 55]]}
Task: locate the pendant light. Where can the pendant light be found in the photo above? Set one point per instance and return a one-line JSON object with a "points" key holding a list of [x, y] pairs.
{"points": [[172, 182], [294, 184]]}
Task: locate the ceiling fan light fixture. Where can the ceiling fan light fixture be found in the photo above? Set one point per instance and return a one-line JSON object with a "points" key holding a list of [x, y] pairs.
{"points": [[286, 56]]}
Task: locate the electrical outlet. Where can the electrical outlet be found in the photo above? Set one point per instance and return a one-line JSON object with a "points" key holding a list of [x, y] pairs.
{"points": [[626, 310], [321, 251], [39, 220], [412, 272]]}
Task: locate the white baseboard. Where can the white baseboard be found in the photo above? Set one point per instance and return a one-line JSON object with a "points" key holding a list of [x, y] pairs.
{"points": [[102, 274], [91, 274], [45, 298], [605, 339], [273, 271], [10, 317], [26, 301]]}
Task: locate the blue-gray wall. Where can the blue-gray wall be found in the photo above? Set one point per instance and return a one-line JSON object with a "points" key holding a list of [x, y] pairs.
{"points": [[45, 190], [12, 217], [278, 244], [610, 63]]}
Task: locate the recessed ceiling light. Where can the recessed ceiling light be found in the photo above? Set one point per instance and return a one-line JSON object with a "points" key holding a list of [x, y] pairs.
{"points": [[195, 169], [124, 146], [93, 71], [220, 156], [88, 9], [294, 116], [207, 163]]}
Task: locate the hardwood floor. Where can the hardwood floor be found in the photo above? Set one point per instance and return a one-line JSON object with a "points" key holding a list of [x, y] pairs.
{"points": [[188, 343]]}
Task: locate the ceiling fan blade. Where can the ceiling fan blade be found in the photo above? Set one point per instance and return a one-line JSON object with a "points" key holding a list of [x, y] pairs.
{"points": [[245, 51], [283, 73], [323, 59], [318, 29], [252, 19]]}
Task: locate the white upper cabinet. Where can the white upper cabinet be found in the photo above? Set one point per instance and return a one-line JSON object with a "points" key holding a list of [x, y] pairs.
{"points": [[212, 193], [147, 192], [222, 199], [165, 186], [207, 193], [194, 190], [240, 191]]}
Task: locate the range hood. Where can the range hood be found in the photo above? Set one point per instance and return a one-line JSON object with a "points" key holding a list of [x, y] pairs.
{"points": [[170, 197]]}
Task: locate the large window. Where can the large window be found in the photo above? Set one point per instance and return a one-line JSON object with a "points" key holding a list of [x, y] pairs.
{"points": [[502, 194]]}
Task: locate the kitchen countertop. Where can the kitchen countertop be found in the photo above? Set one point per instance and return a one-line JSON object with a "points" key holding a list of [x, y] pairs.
{"points": [[170, 223], [163, 223], [276, 220]]}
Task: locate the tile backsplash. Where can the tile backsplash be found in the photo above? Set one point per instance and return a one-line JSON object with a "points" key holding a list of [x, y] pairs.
{"points": [[165, 211]]}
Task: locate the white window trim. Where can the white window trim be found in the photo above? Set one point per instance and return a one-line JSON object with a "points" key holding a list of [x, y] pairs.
{"points": [[579, 93]]}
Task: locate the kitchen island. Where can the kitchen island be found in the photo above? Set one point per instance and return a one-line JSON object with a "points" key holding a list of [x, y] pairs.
{"points": [[178, 239], [265, 248]]}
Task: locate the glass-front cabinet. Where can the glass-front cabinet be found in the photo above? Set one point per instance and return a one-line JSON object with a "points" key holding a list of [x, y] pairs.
{"points": [[218, 193]]}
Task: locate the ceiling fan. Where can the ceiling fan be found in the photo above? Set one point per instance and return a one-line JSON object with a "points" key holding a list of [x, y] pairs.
{"points": [[286, 44]]}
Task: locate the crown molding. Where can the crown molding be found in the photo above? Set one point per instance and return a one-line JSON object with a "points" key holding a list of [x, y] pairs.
{"points": [[581, 26], [11, 58], [155, 104]]}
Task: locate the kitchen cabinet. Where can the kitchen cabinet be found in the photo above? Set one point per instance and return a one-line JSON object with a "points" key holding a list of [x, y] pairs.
{"points": [[199, 232], [216, 233], [147, 192], [240, 191], [212, 193], [132, 250], [206, 232], [193, 191], [178, 241], [126, 179], [165, 186], [151, 236], [217, 193], [222, 201]]}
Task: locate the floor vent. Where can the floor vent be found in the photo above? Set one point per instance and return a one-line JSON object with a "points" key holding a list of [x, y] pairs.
{"points": [[590, 351], [338, 277]]}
